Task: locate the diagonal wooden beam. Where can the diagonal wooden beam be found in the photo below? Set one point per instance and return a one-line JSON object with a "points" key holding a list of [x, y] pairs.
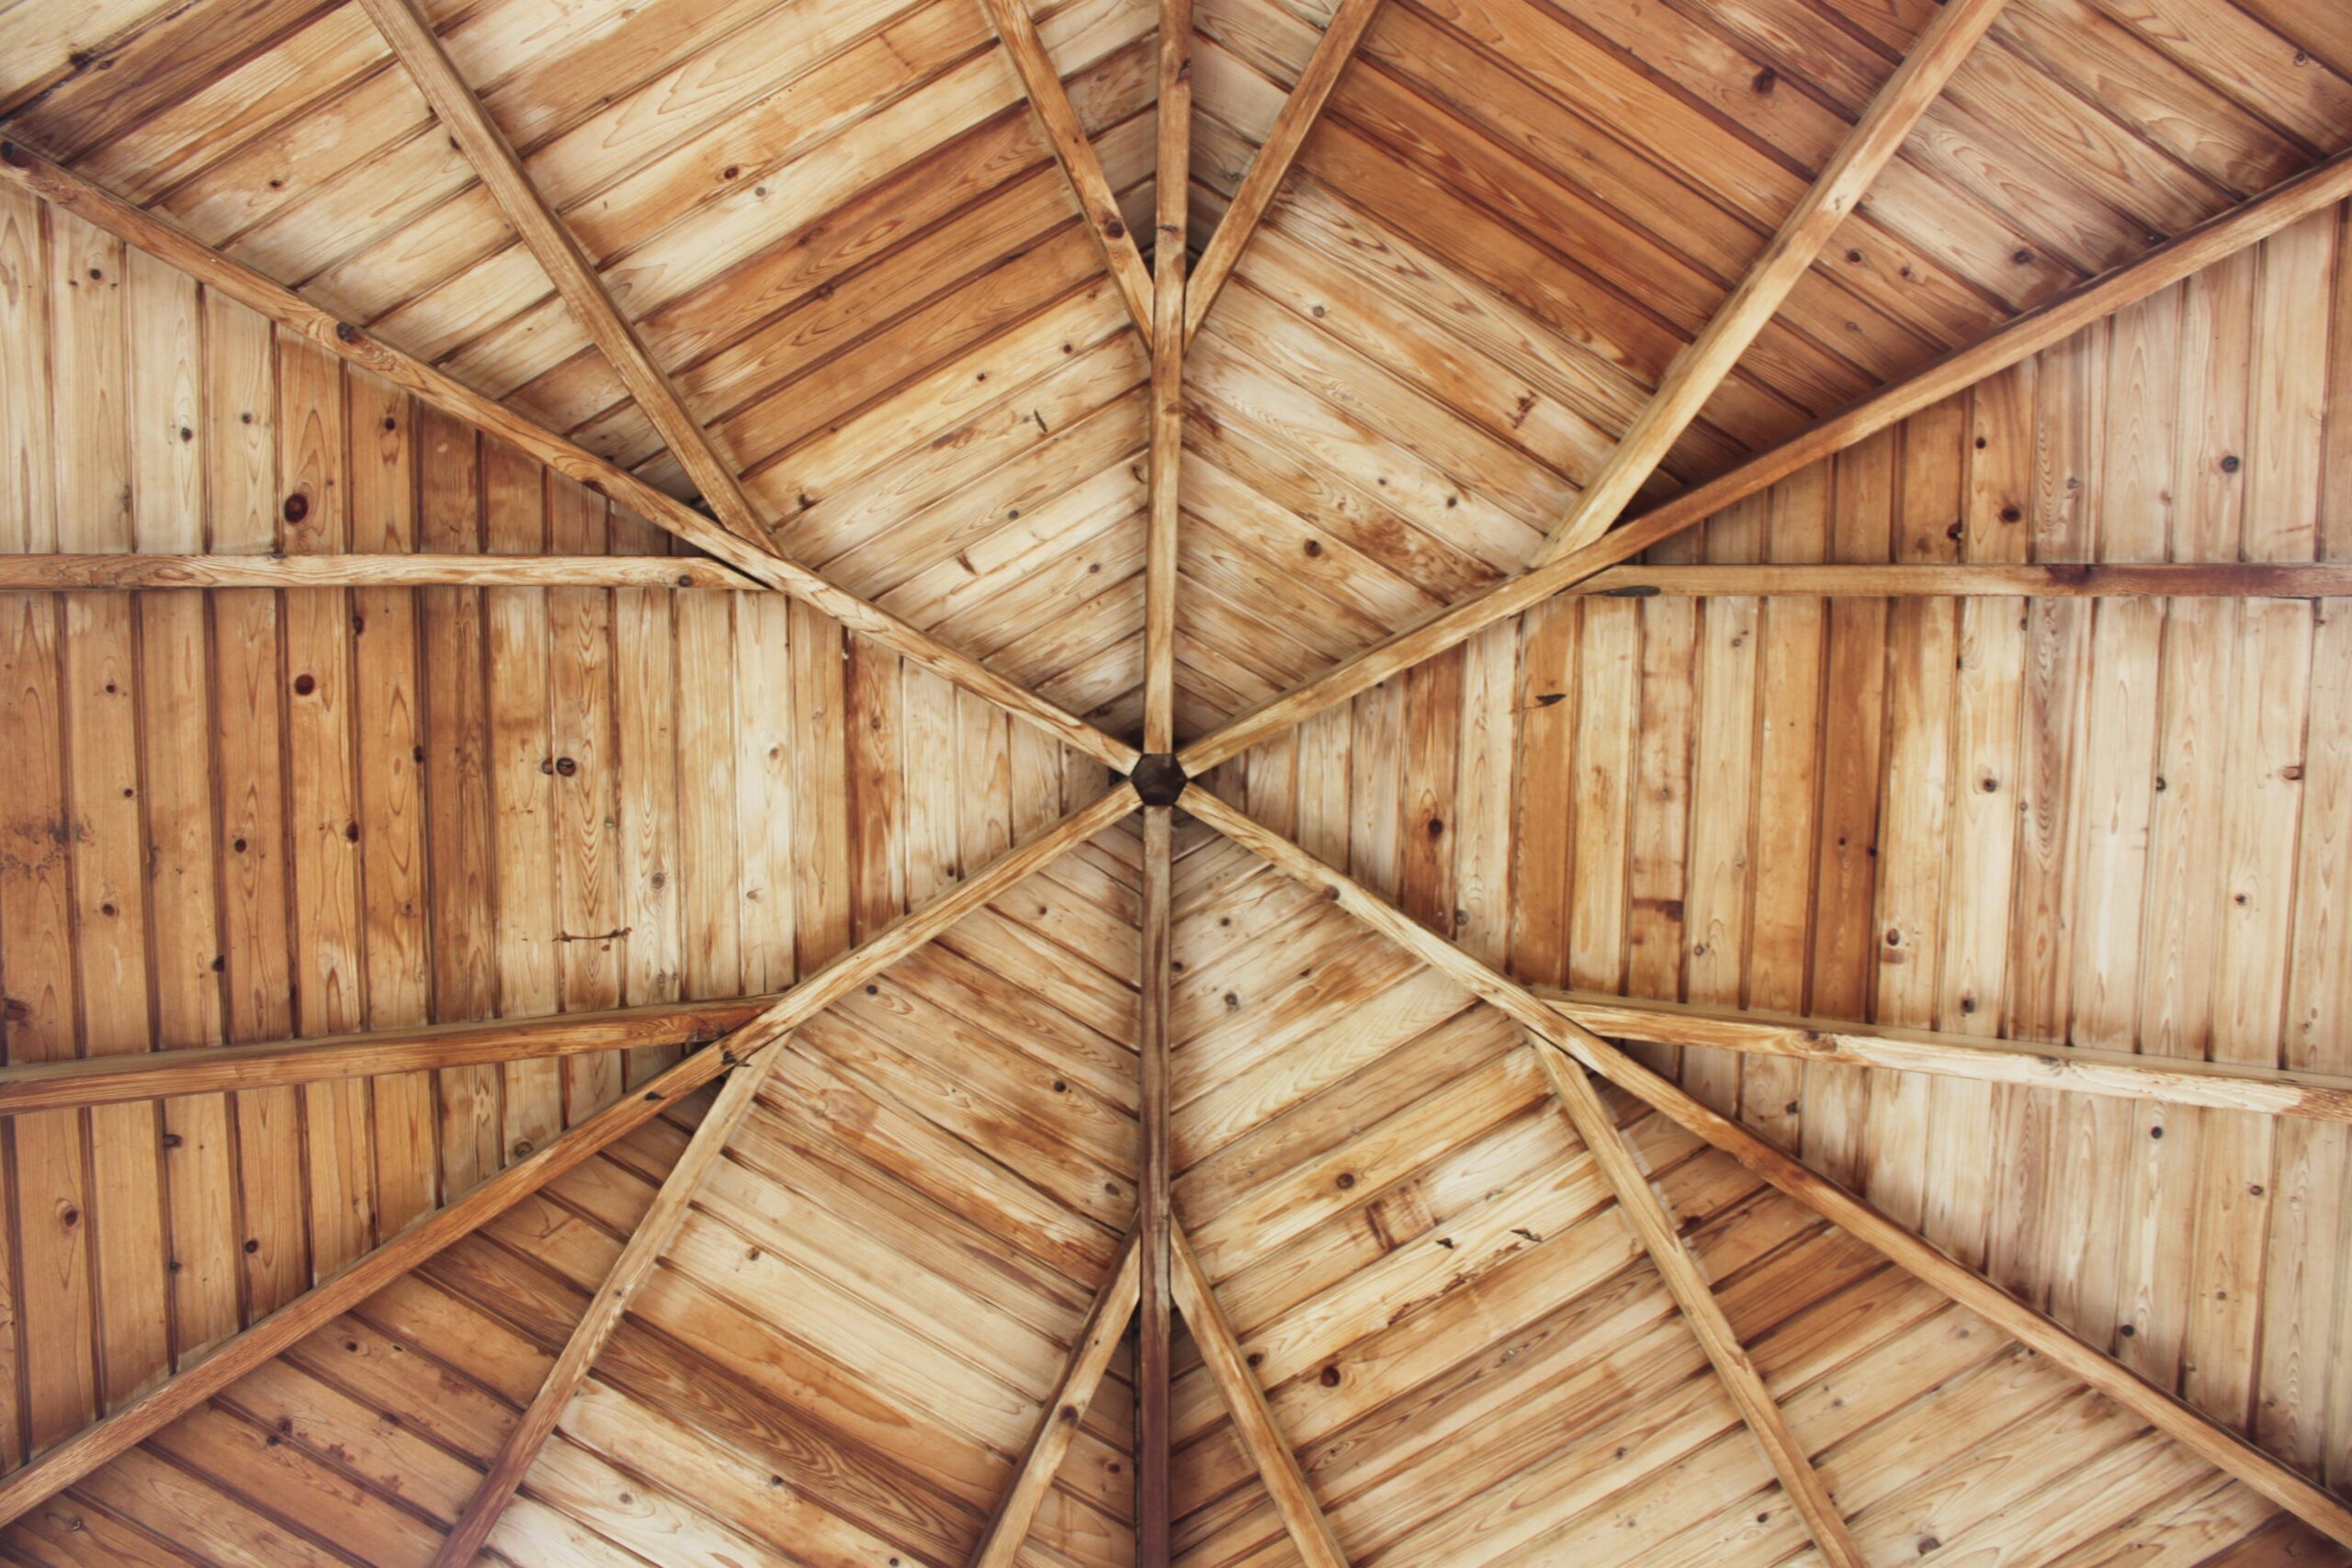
{"points": [[75, 574], [1253, 1418], [1299, 112], [133, 1423], [2079, 1070], [62, 187], [2315, 190], [409, 32], [2196, 1431], [1662, 1239], [1165, 460], [1699, 368], [1090, 1358], [1155, 1212], [629, 1271], [1066, 133]]}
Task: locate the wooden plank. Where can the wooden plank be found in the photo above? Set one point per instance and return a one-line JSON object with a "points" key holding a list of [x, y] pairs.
{"points": [[418, 47], [1066, 134], [1646, 1211], [646, 1244], [1699, 369], [2199, 1433], [233, 280], [2224, 580], [133, 1423], [1090, 1358], [78, 572], [1155, 1221], [2061, 318], [1299, 112], [1245, 1401], [1165, 460]]}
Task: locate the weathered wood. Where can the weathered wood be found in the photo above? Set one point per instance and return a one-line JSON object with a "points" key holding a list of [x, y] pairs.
{"points": [[1646, 1211], [1067, 135], [1299, 112], [2119, 1075], [418, 47], [1155, 1221], [2053, 322], [2208, 1439], [1090, 1358], [2224, 580], [69, 573], [1173, 161], [644, 1248], [132, 1423], [1699, 368], [1245, 1401], [233, 279]]}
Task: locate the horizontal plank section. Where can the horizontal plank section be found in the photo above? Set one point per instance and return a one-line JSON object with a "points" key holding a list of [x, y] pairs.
{"points": [[19, 573], [2325, 580]]}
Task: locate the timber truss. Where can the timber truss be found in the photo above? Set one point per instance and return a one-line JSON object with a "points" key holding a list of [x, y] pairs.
{"points": [[1155, 1273]]}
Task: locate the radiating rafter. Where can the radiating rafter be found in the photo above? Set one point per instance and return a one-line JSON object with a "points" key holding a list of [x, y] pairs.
{"points": [[655, 1230], [2212, 1442], [1155, 1216], [1066, 133], [1703, 366], [1646, 1211], [1173, 163], [1090, 1358], [198, 1382], [418, 47], [1299, 113], [73, 193], [2319, 188]]}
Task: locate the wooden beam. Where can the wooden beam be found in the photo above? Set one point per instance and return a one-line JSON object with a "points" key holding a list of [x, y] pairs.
{"points": [[223, 1069], [62, 187], [1662, 1239], [2080, 1069], [2224, 580], [2316, 189], [75, 574], [1253, 1419], [79, 1455], [1165, 460], [1090, 1358], [418, 47], [2211, 1441], [1067, 135], [1299, 113], [1155, 1223], [631, 1270], [1699, 368]]}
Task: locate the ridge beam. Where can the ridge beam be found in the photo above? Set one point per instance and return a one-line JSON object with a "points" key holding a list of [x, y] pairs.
{"points": [[2319, 188], [409, 33], [1646, 1213], [1299, 114], [62, 187], [1709, 357], [1155, 1211], [2191, 1427]]}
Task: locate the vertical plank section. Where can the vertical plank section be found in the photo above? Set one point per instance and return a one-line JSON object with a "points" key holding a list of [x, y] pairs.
{"points": [[1431, 827], [934, 841], [1609, 730], [1482, 792], [645, 711], [1172, 159], [1543, 831], [322, 811], [876, 775], [27, 476], [1376, 786], [1719, 884], [388, 717], [1155, 1224], [590, 929], [819, 870], [1656, 878], [460, 853]]}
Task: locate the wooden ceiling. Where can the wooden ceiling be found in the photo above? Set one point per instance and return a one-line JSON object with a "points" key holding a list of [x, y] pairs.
{"points": [[1566, 782]]}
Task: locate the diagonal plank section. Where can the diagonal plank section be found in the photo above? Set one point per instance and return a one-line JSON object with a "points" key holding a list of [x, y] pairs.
{"points": [[143, 1417], [1253, 1418], [1066, 133], [1090, 1358], [418, 47], [2212, 1442], [1646, 1213], [1699, 369], [1278, 153], [629, 1271], [2319, 188], [63, 188]]}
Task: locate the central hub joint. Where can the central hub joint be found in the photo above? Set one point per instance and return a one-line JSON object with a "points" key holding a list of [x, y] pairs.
{"points": [[1158, 779]]}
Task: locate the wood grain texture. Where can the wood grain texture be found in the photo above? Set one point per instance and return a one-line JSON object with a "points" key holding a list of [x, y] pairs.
{"points": [[75, 572]]}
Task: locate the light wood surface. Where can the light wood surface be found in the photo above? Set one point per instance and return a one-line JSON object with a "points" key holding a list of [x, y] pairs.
{"points": [[74, 573]]}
